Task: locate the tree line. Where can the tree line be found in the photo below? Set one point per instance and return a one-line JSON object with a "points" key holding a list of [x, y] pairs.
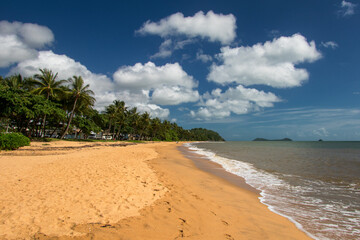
{"points": [[45, 106]]}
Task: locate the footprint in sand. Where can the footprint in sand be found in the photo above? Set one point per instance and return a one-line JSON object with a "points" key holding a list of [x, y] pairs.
{"points": [[229, 237], [225, 223]]}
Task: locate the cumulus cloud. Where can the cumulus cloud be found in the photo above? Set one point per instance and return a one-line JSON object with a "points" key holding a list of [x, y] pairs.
{"points": [[105, 89], [203, 57], [347, 8], [139, 99], [329, 44], [211, 26], [238, 100], [174, 95], [33, 35], [148, 76], [13, 50], [272, 63], [163, 85], [143, 86], [165, 50], [167, 47], [66, 67], [154, 110], [21, 41]]}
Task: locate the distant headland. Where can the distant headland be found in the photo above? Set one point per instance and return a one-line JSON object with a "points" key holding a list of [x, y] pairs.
{"points": [[264, 139]]}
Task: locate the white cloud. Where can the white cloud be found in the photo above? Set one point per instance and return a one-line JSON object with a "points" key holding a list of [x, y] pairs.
{"points": [[165, 50], [20, 41], [66, 68], [167, 47], [154, 110], [215, 27], [180, 44], [203, 57], [33, 35], [148, 76], [329, 44], [347, 8], [174, 95], [106, 91], [139, 99], [164, 85], [272, 63], [239, 100], [13, 50]]}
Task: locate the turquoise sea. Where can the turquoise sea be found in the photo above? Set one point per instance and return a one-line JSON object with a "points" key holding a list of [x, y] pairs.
{"points": [[314, 184]]}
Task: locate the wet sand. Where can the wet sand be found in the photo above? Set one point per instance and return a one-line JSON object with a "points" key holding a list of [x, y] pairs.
{"points": [[144, 191]]}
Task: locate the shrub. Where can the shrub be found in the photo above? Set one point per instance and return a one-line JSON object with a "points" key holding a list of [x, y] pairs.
{"points": [[11, 141]]}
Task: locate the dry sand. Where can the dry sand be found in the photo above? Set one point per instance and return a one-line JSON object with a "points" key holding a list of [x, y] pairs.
{"points": [[52, 188], [147, 191]]}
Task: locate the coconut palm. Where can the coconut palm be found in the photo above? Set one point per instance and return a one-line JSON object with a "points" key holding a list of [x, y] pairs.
{"points": [[15, 81], [145, 124], [155, 127], [82, 94], [46, 83], [120, 111], [111, 113], [134, 118]]}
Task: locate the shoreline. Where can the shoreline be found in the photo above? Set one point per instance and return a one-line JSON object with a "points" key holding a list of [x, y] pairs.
{"points": [[182, 200], [218, 170]]}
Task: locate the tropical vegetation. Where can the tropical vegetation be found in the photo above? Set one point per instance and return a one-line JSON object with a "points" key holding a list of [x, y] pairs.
{"points": [[46, 106], [13, 141]]}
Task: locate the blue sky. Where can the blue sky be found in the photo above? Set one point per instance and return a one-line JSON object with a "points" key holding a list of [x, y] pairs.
{"points": [[246, 69]]}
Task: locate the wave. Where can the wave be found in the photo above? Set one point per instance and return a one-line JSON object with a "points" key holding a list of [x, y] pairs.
{"points": [[299, 203]]}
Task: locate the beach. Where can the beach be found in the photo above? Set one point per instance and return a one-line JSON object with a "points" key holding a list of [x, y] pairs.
{"points": [[83, 190]]}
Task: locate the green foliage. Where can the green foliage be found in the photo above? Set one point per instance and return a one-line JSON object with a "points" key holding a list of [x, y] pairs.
{"points": [[203, 134], [11, 141], [86, 125], [44, 106], [25, 109]]}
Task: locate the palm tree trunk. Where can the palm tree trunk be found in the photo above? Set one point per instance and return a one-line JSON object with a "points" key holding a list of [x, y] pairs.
{"points": [[53, 132], [113, 135], [44, 120], [43, 126], [118, 132], [109, 129], [70, 119]]}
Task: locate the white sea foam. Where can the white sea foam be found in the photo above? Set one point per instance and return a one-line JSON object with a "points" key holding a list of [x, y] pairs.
{"points": [[293, 202]]}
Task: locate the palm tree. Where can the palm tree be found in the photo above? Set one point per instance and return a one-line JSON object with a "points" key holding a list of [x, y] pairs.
{"points": [[145, 123], [46, 83], [120, 110], [15, 81], [155, 127], [111, 112], [82, 94], [134, 119]]}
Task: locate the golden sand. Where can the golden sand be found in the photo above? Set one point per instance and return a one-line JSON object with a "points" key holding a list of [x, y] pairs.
{"points": [[52, 188], [145, 191]]}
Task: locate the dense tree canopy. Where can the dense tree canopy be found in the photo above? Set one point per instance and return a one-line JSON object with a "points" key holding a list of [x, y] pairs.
{"points": [[45, 106]]}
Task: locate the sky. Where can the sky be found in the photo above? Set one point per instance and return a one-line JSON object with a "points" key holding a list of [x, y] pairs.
{"points": [[245, 69]]}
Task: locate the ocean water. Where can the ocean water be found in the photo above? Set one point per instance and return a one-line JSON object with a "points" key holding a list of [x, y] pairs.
{"points": [[314, 184]]}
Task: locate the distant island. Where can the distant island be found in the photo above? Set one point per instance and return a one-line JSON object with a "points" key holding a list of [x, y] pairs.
{"points": [[264, 139]]}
